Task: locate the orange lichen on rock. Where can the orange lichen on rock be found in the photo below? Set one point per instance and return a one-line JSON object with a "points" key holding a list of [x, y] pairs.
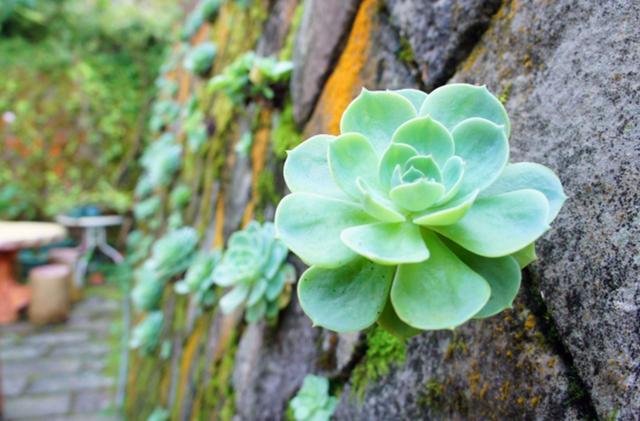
{"points": [[188, 356], [345, 82], [259, 152]]}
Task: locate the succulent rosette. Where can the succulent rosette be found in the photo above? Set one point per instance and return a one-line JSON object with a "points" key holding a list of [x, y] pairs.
{"points": [[254, 264], [313, 402], [146, 334], [198, 280], [413, 216], [171, 255]]}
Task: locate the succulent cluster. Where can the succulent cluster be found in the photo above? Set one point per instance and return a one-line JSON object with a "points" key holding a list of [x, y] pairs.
{"points": [[254, 264], [199, 60], [170, 256], [412, 216], [312, 402], [198, 280], [146, 334], [251, 76], [161, 160]]}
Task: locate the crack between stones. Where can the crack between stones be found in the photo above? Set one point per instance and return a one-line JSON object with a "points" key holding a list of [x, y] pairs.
{"points": [[579, 394]]}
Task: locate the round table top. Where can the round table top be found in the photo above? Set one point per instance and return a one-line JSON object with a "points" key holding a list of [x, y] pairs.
{"points": [[18, 235], [90, 221]]}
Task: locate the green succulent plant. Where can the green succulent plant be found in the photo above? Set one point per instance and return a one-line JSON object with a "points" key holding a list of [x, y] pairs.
{"points": [[138, 245], [198, 280], [161, 160], [170, 256], [143, 187], [146, 208], [413, 215], [209, 9], [200, 59], [180, 196], [205, 11], [312, 402], [251, 76], [163, 113], [145, 336], [254, 265]]}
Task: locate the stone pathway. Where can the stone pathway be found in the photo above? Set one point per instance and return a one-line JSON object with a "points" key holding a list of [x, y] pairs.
{"points": [[63, 372]]}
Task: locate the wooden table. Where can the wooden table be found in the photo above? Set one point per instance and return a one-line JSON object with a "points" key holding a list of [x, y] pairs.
{"points": [[13, 237]]}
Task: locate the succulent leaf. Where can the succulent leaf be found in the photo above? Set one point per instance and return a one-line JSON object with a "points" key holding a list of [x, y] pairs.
{"points": [[348, 298]]}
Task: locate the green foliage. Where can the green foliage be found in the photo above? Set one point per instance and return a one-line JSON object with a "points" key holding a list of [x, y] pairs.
{"points": [[145, 336], [312, 402], [383, 350], [16, 203], [199, 60], [77, 76], [414, 210], [251, 77], [254, 265], [285, 135], [198, 280]]}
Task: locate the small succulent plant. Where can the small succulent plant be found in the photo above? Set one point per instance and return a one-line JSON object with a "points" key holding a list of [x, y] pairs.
{"points": [[254, 265], [200, 59], [198, 280], [170, 256], [146, 334], [164, 113], [194, 126], [180, 196], [251, 76], [312, 402], [205, 11], [138, 245], [143, 187], [146, 208], [161, 160], [413, 216]]}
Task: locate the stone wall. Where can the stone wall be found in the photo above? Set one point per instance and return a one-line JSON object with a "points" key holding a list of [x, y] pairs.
{"points": [[569, 349]]}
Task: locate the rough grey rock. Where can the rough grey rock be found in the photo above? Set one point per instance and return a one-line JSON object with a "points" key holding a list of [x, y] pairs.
{"points": [[326, 25], [271, 364], [495, 369], [440, 33], [277, 27], [572, 69]]}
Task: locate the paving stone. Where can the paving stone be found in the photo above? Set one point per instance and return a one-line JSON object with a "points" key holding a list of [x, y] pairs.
{"points": [[76, 417], [37, 406], [22, 352], [91, 401], [70, 382], [12, 386], [86, 350], [57, 338], [42, 366]]}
